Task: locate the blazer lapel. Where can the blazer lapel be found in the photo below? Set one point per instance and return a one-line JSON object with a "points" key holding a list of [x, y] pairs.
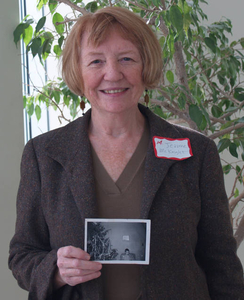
{"points": [[155, 168], [71, 148]]}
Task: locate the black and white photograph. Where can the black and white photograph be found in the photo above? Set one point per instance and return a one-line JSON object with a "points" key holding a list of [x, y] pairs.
{"points": [[118, 241]]}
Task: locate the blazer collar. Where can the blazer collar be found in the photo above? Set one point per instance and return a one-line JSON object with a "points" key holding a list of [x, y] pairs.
{"points": [[70, 142], [70, 146], [155, 168]]}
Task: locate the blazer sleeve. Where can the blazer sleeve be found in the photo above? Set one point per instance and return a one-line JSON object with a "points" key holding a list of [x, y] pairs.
{"points": [[31, 258], [216, 249]]}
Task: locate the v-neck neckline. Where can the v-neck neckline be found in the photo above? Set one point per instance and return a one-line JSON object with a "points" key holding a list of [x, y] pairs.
{"points": [[104, 179]]}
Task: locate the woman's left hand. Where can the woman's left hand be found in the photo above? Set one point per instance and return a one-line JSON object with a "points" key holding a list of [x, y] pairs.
{"points": [[74, 267]]}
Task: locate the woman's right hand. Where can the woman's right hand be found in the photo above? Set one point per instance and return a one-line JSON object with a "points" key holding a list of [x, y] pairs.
{"points": [[74, 267]]}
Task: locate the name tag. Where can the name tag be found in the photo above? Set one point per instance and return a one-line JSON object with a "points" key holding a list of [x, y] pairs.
{"points": [[177, 149]]}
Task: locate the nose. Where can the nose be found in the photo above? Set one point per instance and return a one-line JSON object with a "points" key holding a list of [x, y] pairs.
{"points": [[113, 71]]}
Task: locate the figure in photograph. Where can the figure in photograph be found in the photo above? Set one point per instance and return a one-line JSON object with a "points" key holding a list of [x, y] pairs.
{"points": [[127, 255], [103, 165]]}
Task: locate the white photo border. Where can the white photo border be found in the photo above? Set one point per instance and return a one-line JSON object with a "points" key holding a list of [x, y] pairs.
{"points": [[148, 237]]}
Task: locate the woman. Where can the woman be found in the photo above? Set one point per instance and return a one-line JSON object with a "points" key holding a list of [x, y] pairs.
{"points": [[108, 164]]}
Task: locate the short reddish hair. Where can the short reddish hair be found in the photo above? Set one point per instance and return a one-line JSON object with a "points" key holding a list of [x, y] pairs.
{"points": [[130, 26]]}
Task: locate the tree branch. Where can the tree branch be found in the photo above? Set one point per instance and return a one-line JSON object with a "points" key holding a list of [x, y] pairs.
{"points": [[226, 130], [182, 77], [234, 185], [74, 6], [235, 201], [180, 65], [139, 5], [163, 27], [239, 234], [228, 96], [217, 120], [163, 4], [66, 20], [52, 101], [182, 115]]}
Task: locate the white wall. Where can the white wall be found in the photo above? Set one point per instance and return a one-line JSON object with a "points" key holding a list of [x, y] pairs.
{"points": [[11, 123], [233, 10], [11, 141]]}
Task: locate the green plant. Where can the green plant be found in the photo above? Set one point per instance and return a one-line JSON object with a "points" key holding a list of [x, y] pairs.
{"points": [[202, 80]]}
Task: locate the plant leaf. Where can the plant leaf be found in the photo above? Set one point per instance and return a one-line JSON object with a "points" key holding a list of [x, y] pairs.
{"points": [[242, 42], [35, 46], [38, 112], [57, 50], [223, 144], [27, 36], [60, 41], [157, 3], [227, 169], [40, 24], [24, 101], [41, 3], [19, 30], [176, 17], [236, 194], [30, 109], [216, 111], [233, 150], [195, 114], [57, 18], [91, 6], [66, 100], [182, 101], [52, 5], [210, 43], [170, 76], [56, 96]]}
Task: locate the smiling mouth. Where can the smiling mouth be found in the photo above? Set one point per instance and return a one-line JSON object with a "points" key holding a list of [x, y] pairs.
{"points": [[114, 91]]}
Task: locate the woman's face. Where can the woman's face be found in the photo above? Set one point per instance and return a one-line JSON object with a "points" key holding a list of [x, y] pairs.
{"points": [[112, 74]]}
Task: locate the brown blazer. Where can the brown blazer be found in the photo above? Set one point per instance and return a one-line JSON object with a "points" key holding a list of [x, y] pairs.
{"points": [[193, 252]]}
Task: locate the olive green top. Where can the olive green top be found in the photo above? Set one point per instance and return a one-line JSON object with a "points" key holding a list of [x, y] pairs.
{"points": [[122, 200]]}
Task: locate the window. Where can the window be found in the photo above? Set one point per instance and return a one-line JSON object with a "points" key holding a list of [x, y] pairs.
{"points": [[35, 75]]}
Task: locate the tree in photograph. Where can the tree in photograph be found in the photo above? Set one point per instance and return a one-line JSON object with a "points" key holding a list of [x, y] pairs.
{"points": [[202, 79], [98, 244]]}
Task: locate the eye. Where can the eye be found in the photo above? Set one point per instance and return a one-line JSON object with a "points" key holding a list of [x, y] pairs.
{"points": [[96, 61], [126, 59]]}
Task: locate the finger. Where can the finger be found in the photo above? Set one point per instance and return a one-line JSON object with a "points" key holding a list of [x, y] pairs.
{"points": [[74, 280], [73, 263], [76, 272], [73, 252]]}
